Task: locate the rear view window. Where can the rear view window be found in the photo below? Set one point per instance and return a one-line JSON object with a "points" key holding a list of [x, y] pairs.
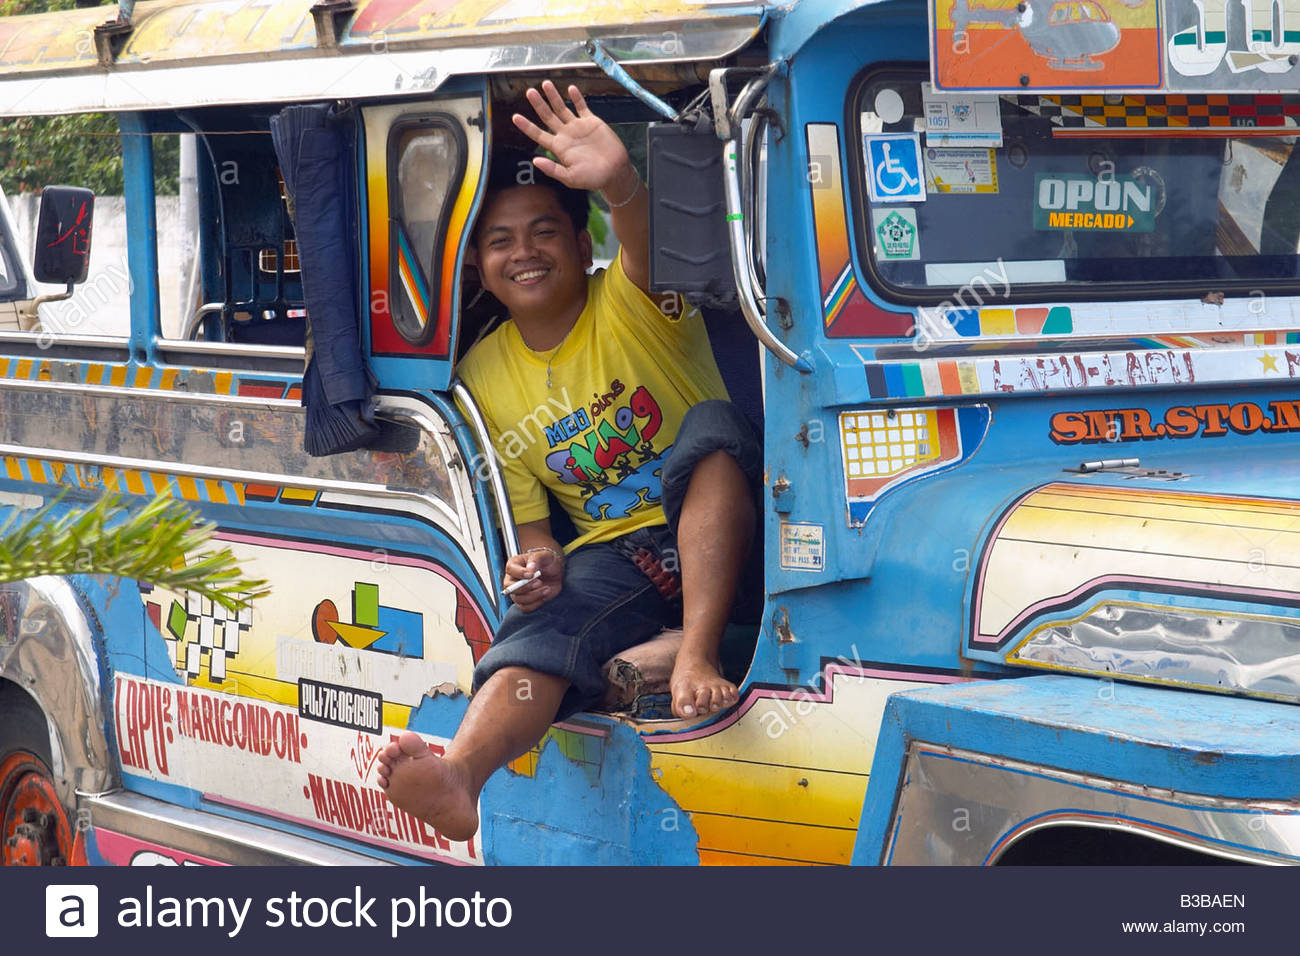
{"points": [[1118, 190], [428, 157]]}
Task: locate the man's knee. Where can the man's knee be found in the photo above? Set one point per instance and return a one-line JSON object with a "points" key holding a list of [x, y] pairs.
{"points": [[709, 428]]}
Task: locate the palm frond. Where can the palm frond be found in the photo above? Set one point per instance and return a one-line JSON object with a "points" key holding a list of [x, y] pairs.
{"points": [[158, 544]]}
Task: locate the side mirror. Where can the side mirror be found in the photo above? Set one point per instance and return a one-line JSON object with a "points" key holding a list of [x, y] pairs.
{"points": [[63, 235]]}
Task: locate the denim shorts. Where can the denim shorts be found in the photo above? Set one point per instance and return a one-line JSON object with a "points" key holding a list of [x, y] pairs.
{"points": [[608, 603]]}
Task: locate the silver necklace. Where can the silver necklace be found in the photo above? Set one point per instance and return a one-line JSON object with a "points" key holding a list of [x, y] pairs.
{"points": [[557, 348]]}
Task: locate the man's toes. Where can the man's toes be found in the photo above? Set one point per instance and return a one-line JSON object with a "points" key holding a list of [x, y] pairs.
{"points": [[702, 700], [409, 745]]}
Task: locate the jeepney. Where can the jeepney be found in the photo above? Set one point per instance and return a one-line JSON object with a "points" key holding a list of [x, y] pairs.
{"points": [[1012, 288]]}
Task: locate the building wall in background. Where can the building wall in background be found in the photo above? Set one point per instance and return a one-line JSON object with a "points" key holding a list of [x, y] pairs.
{"points": [[101, 305]]}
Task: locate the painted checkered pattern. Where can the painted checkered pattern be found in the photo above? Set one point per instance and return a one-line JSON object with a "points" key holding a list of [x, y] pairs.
{"points": [[217, 638], [1160, 111], [880, 444]]}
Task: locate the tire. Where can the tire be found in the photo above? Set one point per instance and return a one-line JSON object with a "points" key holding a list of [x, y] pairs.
{"points": [[34, 828]]}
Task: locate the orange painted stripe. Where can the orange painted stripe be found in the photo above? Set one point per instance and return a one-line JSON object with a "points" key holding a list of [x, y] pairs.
{"points": [[189, 490], [225, 381], [117, 378], [949, 379], [169, 379], [723, 858], [239, 492], [215, 491], [161, 486], [135, 482], [13, 469], [24, 369], [143, 376]]}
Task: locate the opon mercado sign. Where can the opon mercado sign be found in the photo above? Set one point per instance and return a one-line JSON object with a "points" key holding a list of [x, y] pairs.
{"points": [[1071, 201]]}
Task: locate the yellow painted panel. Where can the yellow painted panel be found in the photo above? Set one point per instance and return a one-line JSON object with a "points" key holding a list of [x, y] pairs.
{"points": [[215, 491], [189, 490], [223, 382], [24, 369], [1155, 536], [169, 379], [721, 858], [763, 791], [135, 482], [787, 841], [13, 469], [1262, 514], [998, 321], [143, 376], [297, 494], [117, 377]]}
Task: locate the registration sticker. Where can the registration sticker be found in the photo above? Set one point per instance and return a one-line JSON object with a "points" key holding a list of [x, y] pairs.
{"points": [[961, 171], [896, 235], [803, 547]]}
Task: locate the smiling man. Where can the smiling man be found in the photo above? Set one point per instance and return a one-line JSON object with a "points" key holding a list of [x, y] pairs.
{"points": [[656, 469]]}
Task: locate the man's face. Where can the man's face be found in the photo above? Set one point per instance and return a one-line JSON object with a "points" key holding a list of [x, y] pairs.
{"points": [[528, 253]]}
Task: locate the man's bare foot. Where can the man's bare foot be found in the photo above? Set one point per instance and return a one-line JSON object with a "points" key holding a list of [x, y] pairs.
{"points": [[433, 788], [698, 688]]}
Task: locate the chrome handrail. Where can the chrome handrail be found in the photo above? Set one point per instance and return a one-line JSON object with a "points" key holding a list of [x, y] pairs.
{"points": [[737, 230], [499, 493], [198, 317]]}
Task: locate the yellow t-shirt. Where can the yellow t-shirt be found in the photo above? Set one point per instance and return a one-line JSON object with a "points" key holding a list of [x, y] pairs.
{"points": [[597, 437]]}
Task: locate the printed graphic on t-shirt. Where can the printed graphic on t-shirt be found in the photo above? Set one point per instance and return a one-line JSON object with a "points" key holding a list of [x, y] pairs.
{"points": [[607, 449]]}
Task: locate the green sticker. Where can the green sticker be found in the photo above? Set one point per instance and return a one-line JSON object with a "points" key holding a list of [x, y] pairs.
{"points": [[1072, 201], [896, 235]]}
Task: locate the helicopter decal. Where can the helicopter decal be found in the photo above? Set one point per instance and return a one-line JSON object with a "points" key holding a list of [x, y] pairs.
{"points": [[1045, 44]]}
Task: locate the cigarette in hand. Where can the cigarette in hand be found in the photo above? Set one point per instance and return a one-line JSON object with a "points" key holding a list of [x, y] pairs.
{"points": [[511, 589]]}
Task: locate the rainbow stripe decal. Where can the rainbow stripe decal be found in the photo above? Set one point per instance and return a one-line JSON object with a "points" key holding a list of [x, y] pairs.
{"points": [[846, 312], [412, 277]]}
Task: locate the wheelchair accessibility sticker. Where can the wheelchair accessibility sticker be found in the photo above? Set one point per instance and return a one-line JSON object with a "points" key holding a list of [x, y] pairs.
{"points": [[894, 171]]}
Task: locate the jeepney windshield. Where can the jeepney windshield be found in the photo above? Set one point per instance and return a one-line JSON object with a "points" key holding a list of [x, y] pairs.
{"points": [[1132, 192]]}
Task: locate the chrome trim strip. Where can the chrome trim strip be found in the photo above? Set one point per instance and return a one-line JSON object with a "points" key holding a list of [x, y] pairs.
{"points": [[199, 347], [227, 474], [209, 835], [156, 394], [1000, 801], [390, 410], [504, 515], [44, 340]]}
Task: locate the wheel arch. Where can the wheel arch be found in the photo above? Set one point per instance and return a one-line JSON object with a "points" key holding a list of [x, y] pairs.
{"points": [[1086, 843], [48, 656]]}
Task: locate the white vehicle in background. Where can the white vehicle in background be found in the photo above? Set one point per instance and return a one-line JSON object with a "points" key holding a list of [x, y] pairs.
{"points": [[17, 286]]}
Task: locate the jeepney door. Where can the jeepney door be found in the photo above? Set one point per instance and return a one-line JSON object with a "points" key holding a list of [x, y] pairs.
{"points": [[424, 161]]}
